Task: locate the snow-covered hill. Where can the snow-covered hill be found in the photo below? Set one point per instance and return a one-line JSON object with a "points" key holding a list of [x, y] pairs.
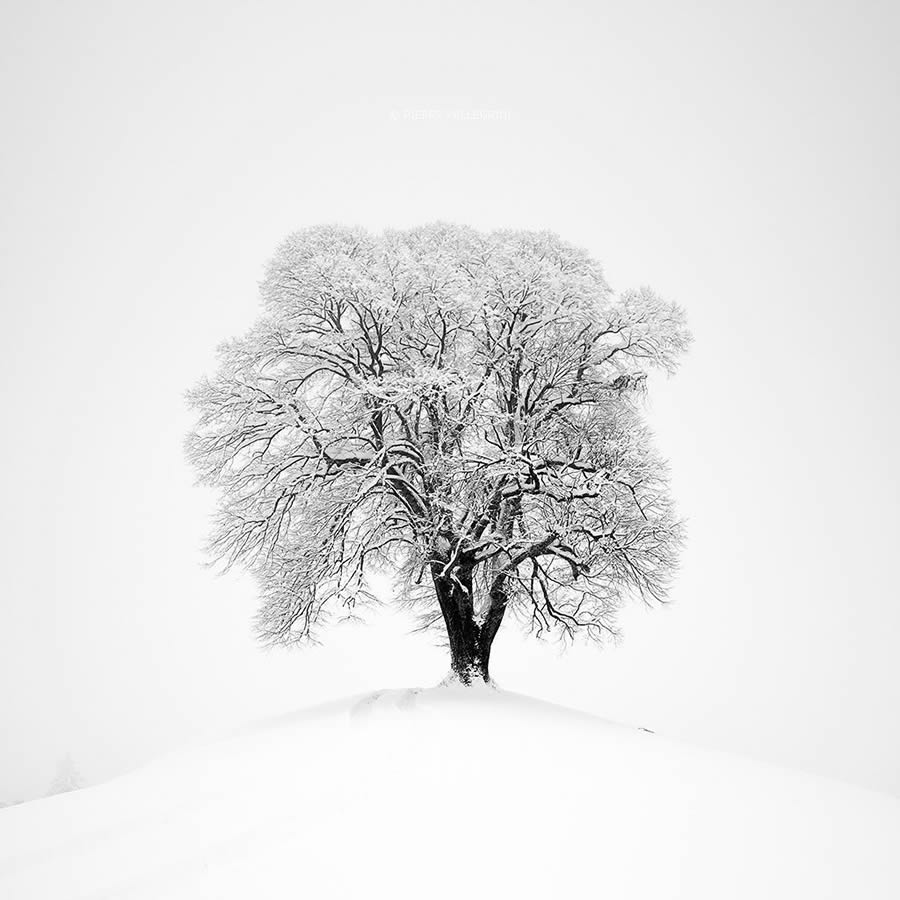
{"points": [[451, 792]]}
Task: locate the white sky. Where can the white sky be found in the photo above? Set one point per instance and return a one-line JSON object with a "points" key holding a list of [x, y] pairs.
{"points": [[741, 159]]}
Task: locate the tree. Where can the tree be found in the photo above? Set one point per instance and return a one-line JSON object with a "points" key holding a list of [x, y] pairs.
{"points": [[462, 408]]}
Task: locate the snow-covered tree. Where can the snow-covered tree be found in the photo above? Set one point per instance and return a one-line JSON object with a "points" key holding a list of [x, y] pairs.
{"points": [[461, 408]]}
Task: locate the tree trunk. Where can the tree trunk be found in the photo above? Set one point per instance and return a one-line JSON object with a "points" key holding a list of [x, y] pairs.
{"points": [[470, 649], [467, 662]]}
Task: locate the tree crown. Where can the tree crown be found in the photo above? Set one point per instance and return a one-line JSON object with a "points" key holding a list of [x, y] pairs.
{"points": [[462, 407]]}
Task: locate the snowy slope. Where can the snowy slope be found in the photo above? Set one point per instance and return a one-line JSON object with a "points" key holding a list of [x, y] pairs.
{"points": [[446, 793]]}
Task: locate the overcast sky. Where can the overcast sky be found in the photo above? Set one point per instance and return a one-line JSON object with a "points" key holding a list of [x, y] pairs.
{"points": [[739, 158]]}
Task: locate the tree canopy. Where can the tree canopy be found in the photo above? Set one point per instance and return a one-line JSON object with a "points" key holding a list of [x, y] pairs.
{"points": [[463, 409]]}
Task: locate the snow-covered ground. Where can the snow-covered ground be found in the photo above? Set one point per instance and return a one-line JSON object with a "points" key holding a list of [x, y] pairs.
{"points": [[451, 792]]}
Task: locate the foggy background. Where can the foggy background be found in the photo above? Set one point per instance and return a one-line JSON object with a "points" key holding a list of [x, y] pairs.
{"points": [[740, 158]]}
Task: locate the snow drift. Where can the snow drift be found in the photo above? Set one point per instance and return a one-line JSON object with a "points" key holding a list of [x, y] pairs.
{"points": [[453, 792]]}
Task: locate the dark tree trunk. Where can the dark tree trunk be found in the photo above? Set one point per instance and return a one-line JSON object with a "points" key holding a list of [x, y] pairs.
{"points": [[467, 661], [470, 643]]}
